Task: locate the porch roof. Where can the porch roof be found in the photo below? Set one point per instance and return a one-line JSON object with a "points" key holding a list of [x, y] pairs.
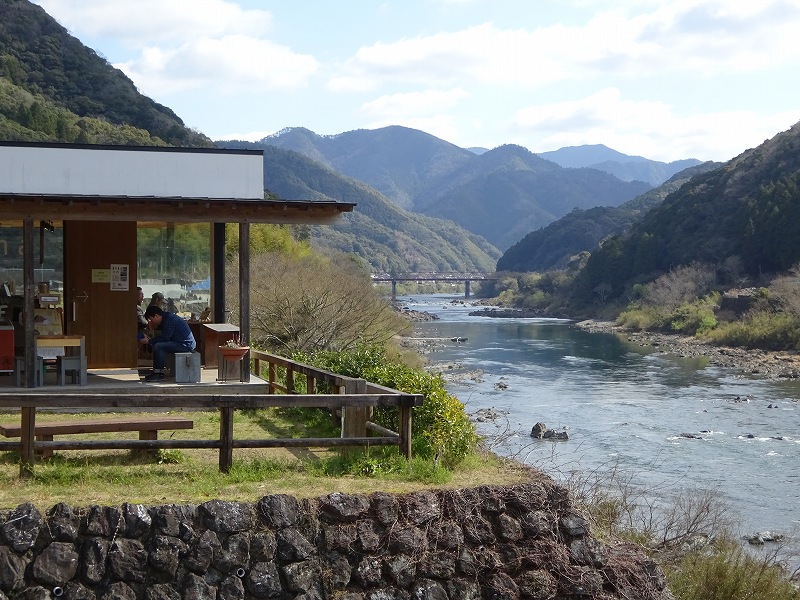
{"points": [[15, 207], [135, 183]]}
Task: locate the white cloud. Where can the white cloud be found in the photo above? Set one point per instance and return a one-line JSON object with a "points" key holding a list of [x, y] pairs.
{"points": [[413, 104], [649, 128], [148, 22], [706, 36], [230, 64], [190, 44]]}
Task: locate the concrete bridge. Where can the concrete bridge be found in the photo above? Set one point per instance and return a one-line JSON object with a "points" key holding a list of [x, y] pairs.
{"points": [[467, 278]]}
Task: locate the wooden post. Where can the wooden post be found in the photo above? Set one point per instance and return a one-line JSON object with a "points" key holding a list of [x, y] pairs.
{"points": [[27, 434], [354, 418], [404, 424], [289, 380], [28, 417], [244, 297], [225, 438], [273, 377], [29, 294], [218, 273]]}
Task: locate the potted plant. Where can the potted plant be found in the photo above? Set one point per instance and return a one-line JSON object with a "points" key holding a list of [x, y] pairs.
{"points": [[233, 349]]}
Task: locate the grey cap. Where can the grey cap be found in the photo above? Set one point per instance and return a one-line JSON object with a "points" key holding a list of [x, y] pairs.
{"points": [[158, 296]]}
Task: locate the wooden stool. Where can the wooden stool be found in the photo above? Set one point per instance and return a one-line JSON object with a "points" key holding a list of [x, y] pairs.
{"points": [[19, 369], [68, 363]]}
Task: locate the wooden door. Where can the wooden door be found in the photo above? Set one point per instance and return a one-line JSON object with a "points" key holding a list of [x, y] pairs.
{"points": [[98, 303]]}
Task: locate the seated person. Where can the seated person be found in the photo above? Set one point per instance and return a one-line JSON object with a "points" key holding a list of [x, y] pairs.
{"points": [[176, 336], [158, 300], [141, 323]]}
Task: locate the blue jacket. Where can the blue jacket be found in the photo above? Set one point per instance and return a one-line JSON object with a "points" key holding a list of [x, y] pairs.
{"points": [[175, 329]]}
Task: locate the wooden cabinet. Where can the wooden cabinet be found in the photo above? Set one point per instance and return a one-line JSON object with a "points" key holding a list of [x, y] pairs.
{"points": [[209, 337]]}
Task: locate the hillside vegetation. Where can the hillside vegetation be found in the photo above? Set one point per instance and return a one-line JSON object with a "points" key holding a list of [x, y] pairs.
{"points": [[744, 213], [55, 89], [554, 246]]}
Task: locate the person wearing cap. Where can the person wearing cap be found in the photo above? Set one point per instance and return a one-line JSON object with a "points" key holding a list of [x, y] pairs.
{"points": [[176, 336], [158, 300]]}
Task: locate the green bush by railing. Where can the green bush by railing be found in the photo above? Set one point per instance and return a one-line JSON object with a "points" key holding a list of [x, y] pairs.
{"points": [[442, 429]]}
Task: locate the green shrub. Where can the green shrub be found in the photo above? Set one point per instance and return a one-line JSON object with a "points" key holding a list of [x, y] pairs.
{"points": [[642, 318], [766, 330], [695, 317], [441, 428]]}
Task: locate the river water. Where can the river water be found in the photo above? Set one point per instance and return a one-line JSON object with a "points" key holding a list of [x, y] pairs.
{"points": [[669, 423]]}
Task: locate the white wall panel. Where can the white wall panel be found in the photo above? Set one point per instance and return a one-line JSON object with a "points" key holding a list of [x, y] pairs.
{"points": [[139, 172]]}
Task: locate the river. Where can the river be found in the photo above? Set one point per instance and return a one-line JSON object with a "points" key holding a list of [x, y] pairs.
{"points": [[668, 423]]}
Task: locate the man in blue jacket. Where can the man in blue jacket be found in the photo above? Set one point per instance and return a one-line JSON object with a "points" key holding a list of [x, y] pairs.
{"points": [[175, 337]]}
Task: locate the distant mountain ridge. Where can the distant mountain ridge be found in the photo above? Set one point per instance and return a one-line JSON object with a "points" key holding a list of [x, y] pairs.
{"points": [[741, 217], [500, 194], [554, 246], [387, 237], [622, 166]]}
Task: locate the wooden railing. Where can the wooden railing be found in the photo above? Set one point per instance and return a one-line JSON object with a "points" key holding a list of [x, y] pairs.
{"points": [[354, 399]]}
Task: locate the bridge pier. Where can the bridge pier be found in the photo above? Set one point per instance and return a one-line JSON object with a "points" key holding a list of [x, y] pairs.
{"points": [[466, 288], [394, 289]]}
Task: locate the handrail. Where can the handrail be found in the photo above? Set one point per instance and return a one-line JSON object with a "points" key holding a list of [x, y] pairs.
{"points": [[355, 398]]}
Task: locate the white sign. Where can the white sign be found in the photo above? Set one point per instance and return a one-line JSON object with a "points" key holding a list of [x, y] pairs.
{"points": [[120, 278]]}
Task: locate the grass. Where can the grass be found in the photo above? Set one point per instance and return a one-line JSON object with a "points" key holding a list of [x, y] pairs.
{"points": [[106, 477]]}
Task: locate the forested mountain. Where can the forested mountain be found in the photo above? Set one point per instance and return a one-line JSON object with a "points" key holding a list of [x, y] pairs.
{"points": [[744, 215], [387, 237], [622, 166], [501, 194], [553, 246], [397, 161], [507, 192], [55, 89]]}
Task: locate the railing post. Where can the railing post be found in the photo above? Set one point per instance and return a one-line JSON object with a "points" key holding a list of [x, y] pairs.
{"points": [[225, 438], [273, 376], [289, 380], [354, 418], [27, 434], [404, 426]]}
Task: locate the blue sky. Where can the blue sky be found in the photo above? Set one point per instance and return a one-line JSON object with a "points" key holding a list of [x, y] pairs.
{"points": [[666, 80]]}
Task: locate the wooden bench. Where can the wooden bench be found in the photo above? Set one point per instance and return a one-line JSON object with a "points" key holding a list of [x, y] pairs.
{"points": [[148, 427]]}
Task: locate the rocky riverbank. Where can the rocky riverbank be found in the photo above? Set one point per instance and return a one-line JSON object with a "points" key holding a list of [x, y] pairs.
{"points": [[759, 363]]}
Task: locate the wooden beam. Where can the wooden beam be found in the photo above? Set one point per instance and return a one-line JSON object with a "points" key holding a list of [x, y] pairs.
{"points": [[178, 210]]}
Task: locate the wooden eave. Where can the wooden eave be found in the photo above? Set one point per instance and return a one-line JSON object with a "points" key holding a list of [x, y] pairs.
{"points": [[177, 210]]}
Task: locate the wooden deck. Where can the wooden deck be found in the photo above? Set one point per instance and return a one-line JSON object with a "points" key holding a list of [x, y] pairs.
{"points": [[128, 380]]}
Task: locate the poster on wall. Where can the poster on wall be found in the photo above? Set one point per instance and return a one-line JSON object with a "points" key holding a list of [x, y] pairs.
{"points": [[119, 278]]}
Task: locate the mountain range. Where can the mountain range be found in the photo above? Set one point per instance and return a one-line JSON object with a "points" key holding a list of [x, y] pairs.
{"points": [[622, 166], [501, 194], [557, 244]]}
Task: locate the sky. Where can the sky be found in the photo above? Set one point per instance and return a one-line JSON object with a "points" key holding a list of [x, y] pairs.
{"points": [[662, 79]]}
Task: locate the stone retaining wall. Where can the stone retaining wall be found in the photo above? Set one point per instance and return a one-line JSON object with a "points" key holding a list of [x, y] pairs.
{"points": [[500, 543]]}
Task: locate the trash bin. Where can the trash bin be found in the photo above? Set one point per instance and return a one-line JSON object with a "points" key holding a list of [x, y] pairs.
{"points": [[6, 348]]}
